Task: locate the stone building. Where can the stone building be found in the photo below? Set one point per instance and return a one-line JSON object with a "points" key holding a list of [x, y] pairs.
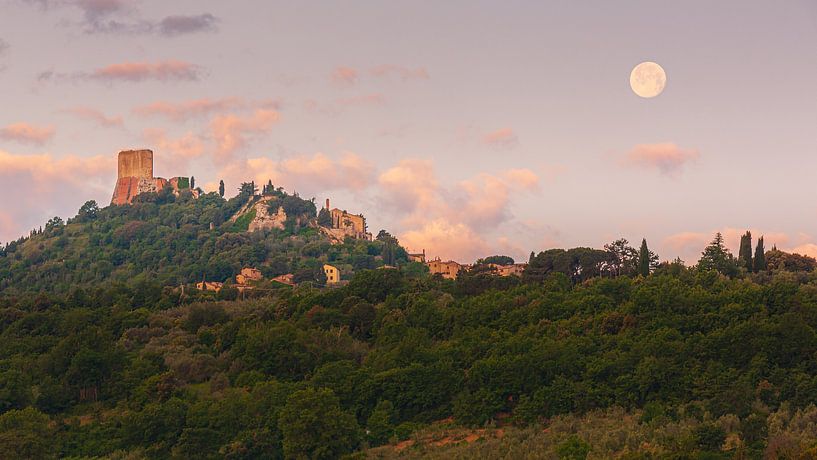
{"points": [[332, 274], [248, 274], [448, 269], [135, 176], [509, 270], [209, 286], [347, 224], [418, 257]]}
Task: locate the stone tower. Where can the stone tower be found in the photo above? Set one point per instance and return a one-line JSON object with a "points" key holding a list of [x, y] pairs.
{"points": [[136, 163], [135, 176]]}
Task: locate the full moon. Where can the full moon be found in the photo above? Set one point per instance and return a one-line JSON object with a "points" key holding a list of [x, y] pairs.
{"points": [[648, 79]]}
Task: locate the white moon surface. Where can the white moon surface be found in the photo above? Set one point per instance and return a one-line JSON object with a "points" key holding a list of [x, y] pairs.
{"points": [[648, 79]]}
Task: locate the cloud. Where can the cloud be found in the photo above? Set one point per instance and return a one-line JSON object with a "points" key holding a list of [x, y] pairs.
{"points": [[314, 174], [27, 134], [4, 46], [344, 76], [231, 131], [174, 154], [123, 17], [181, 111], [140, 71], [178, 25], [503, 138], [91, 114], [667, 158], [404, 73], [441, 238], [37, 187], [439, 217]]}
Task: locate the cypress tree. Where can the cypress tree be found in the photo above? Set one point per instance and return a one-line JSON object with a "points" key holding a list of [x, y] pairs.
{"points": [[221, 188], [760, 256], [745, 252], [644, 259], [192, 182]]}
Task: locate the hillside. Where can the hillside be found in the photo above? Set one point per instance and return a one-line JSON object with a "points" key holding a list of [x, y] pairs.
{"points": [[162, 241], [107, 351], [684, 361]]}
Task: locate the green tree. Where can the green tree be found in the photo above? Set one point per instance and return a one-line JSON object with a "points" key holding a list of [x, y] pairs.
{"points": [[499, 260], [314, 426], [221, 188], [623, 257], [192, 182], [573, 448], [88, 211], [716, 257], [760, 256], [25, 434], [745, 251], [380, 425], [645, 259]]}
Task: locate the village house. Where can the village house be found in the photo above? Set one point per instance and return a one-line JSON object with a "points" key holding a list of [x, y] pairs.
{"points": [[448, 269], [209, 286], [419, 257], [346, 224], [248, 274], [288, 279], [332, 274], [509, 270]]}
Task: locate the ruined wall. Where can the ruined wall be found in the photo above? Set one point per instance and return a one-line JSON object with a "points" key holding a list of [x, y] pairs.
{"points": [[136, 163]]}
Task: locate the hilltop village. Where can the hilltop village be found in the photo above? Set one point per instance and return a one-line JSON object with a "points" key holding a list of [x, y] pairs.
{"points": [[264, 211]]}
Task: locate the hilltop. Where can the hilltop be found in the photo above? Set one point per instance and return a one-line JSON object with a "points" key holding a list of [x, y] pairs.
{"points": [[168, 239]]}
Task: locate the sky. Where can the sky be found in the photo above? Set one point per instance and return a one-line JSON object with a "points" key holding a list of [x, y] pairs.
{"points": [[466, 128]]}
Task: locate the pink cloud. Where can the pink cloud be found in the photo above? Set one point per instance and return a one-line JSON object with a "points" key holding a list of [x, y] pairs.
{"points": [[27, 134], [344, 76], [404, 73], [174, 154], [181, 111], [231, 132], [447, 240], [667, 158], [96, 116], [37, 187], [140, 71], [472, 208], [313, 174], [503, 138]]}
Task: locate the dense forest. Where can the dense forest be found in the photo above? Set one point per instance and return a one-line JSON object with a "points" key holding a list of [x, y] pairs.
{"points": [[591, 353]]}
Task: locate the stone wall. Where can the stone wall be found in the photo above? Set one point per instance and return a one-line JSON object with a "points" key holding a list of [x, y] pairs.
{"points": [[136, 163]]}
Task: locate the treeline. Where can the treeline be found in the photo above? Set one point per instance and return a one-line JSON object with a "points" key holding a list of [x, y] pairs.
{"points": [[321, 373]]}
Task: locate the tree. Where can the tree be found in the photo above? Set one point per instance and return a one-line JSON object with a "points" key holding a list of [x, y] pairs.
{"points": [[745, 252], [221, 188], [192, 182], [644, 259], [314, 426], [623, 257], [88, 211], [325, 218], [54, 223], [716, 257], [380, 425], [499, 260], [760, 256]]}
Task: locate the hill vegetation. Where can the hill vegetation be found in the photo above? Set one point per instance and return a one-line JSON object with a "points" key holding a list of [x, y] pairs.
{"points": [[584, 356]]}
